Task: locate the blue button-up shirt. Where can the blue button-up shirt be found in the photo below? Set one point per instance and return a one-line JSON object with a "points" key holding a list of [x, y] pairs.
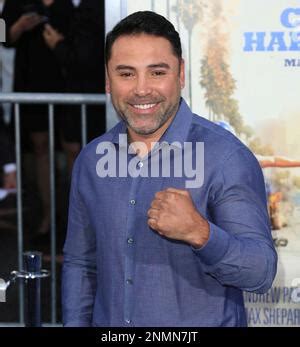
{"points": [[119, 272]]}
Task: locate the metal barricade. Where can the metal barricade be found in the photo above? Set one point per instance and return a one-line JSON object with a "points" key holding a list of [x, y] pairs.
{"points": [[51, 100], [31, 276]]}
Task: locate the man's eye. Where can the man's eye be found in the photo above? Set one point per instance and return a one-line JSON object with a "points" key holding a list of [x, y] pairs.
{"points": [[126, 74], [158, 73]]}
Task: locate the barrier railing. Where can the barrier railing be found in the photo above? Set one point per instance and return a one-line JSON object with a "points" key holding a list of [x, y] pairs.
{"points": [[31, 277], [51, 99]]}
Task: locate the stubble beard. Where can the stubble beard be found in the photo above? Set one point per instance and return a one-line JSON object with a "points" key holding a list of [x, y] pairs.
{"points": [[161, 117]]}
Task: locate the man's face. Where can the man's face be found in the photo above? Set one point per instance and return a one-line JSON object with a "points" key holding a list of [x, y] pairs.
{"points": [[144, 78]]}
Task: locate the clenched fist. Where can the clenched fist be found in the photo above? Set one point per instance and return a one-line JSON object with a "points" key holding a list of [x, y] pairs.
{"points": [[174, 215]]}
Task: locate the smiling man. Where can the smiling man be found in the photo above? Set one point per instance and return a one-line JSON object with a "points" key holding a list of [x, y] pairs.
{"points": [[143, 250], [145, 92]]}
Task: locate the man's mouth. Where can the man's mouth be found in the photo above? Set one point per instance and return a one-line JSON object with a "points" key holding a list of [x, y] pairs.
{"points": [[144, 106]]}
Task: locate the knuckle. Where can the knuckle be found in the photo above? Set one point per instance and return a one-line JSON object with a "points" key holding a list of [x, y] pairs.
{"points": [[157, 195], [154, 203], [159, 224], [168, 196]]}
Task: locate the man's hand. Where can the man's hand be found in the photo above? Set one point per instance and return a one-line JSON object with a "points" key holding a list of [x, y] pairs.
{"points": [[52, 36], [174, 215], [10, 180]]}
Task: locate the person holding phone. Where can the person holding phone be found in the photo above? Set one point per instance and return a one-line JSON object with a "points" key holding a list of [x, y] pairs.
{"points": [[36, 71]]}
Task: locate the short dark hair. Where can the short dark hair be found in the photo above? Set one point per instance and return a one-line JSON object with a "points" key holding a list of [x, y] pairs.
{"points": [[144, 22]]}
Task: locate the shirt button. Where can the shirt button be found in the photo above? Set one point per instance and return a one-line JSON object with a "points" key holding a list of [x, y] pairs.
{"points": [[130, 240], [129, 281], [140, 164], [132, 202]]}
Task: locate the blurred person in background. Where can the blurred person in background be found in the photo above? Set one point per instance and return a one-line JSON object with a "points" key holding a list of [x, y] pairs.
{"points": [[35, 71], [7, 159], [80, 54], [6, 75]]}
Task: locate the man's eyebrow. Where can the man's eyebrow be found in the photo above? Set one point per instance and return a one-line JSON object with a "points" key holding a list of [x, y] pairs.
{"points": [[151, 66], [159, 65], [124, 67]]}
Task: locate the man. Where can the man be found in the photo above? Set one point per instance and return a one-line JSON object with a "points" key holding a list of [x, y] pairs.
{"points": [[143, 250]]}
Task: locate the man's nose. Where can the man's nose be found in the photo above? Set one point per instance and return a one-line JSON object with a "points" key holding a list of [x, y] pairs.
{"points": [[143, 86]]}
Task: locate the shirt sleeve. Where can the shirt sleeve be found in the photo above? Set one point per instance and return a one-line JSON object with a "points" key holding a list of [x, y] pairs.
{"points": [[240, 250], [79, 268]]}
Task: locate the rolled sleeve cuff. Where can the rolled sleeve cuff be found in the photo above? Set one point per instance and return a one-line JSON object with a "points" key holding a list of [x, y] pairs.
{"points": [[216, 246]]}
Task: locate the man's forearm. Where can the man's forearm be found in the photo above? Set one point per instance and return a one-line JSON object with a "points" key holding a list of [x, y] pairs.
{"points": [[242, 262]]}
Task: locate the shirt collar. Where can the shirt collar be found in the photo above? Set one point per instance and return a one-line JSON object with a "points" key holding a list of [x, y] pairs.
{"points": [[179, 128], [177, 131]]}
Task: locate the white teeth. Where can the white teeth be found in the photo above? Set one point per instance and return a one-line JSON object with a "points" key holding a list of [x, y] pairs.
{"points": [[144, 106]]}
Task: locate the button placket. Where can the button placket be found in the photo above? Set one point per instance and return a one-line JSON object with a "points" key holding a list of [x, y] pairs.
{"points": [[130, 244], [130, 240]]}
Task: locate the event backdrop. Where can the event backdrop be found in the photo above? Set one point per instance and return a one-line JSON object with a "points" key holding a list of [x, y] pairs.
{"points": [[243, 68]]}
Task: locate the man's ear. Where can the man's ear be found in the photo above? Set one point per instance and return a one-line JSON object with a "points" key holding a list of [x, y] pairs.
{"points": [[182, 73], [107, 83]]}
